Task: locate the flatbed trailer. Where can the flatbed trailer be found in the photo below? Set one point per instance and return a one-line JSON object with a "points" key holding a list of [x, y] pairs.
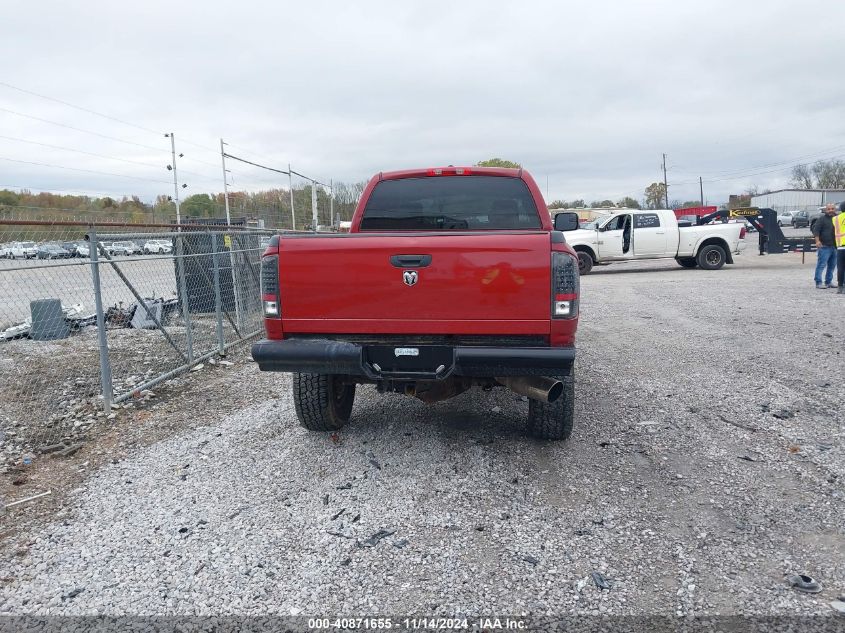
{"points": [[771, 240]]}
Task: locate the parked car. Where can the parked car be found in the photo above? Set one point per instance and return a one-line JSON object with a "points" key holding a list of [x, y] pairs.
{"points": [[24, 250], [814, 217], [124, 248], [71, 247], [52, 251], [800, 219], [83, 249], [6, 251], [785, 218], [456, 278], [159, 247]]}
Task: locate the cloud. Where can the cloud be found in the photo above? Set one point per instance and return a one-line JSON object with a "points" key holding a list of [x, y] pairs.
{"points": [[586, 95]]}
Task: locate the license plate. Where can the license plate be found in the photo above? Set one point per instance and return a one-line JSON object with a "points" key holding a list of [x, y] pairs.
{"points": [[406, 351]]}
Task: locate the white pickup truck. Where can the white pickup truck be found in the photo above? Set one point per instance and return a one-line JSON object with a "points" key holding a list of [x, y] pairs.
{"points": [[632, 234]]}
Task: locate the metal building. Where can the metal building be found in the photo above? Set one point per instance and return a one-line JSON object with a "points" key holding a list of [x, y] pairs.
{"points": [[797, 199]]}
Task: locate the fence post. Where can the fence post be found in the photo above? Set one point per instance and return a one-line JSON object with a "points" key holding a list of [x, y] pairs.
{"points": [[218, 306], [183, 296], [102, 339]]}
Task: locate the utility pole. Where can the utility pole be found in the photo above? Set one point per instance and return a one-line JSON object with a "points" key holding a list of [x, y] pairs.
{"points": [[290, 189], [701, 189], [225, 184], [175, 180], [665, 183], [314, 204], [331, 202]]}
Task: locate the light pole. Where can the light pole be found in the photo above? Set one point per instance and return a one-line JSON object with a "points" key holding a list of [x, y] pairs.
{"points": [[175, 180], [290, 189], [225, 183]]}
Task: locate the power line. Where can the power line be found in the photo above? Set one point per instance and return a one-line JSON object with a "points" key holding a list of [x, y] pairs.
{"points": [[79, 151], [206, 147], [70, 127], [249, 162], [123, 160], [89, 171], [249, 151], [788, 164], [72, 105], [197, 160], [316, 182]]}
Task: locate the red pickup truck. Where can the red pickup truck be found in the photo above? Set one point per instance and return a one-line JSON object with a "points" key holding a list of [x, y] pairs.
{"points": [[449, 278]]}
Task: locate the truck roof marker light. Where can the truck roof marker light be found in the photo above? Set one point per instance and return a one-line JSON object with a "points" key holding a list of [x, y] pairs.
{"points": [[450, 171]]}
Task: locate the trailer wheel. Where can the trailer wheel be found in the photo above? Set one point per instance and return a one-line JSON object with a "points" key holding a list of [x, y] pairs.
{"points": [[322, 402], [585, 262], [554, 421], [711, 257]]}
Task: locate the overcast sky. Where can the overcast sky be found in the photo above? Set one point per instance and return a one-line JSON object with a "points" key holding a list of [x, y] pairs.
{"points": [[588, 95]]}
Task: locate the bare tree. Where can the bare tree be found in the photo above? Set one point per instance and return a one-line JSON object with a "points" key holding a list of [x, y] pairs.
{"points": [[802, 177], [830, 174]]}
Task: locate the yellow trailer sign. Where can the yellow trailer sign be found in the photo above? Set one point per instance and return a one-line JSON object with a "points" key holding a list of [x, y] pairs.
{"points": [[747, 212]]}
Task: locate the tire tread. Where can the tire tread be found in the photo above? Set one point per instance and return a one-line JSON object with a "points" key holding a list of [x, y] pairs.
{"points": [[554, 421]]}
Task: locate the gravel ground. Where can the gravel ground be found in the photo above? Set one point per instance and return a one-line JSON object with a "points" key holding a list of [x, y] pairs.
{"points": [[706, 464]]}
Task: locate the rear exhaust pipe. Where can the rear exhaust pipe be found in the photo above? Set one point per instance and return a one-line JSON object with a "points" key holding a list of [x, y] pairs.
{"points": [[535, 387]]}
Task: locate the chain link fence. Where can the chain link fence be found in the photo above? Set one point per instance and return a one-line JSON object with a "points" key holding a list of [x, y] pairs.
{"points": [[92, 316]]}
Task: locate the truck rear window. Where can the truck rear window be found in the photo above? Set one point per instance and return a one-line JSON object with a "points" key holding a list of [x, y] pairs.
{"points": [[450, 203]]}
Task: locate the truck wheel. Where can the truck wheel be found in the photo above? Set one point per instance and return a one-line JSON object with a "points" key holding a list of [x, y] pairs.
{"points": [[323, 402], [553, 421], [687, 262], [711, 257], [585, 262]]}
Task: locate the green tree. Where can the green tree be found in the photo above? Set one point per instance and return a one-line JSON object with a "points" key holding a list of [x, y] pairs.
{"points": [[655, 195], [8, 198], [597, 204], [628, 203], [498, 162], [199, 205]]}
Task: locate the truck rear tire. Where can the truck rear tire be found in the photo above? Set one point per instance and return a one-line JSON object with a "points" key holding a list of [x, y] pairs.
{"points": [[687, 262], [585, 263], [554, 421], [323, 402], [711, 257]]}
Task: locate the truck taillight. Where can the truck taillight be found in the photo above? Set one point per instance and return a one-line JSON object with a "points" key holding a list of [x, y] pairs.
{"points": [[742, 233], [565, 286], [270, 286]]}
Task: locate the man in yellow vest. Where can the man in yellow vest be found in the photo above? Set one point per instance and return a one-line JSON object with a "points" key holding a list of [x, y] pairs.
{"points": [[839, 237]]}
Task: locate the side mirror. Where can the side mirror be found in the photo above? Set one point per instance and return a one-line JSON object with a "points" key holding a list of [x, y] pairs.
{"points": [[566, 221]]}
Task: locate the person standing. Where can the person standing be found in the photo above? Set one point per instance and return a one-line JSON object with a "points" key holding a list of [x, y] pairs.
{"points": [[839, 234], [825, 236]]}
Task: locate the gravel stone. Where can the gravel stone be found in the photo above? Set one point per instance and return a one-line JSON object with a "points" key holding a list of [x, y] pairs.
{"points": [[679, 523]]}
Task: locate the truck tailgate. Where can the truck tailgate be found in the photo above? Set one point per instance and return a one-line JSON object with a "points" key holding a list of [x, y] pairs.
{"points": [[471, 283]]}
